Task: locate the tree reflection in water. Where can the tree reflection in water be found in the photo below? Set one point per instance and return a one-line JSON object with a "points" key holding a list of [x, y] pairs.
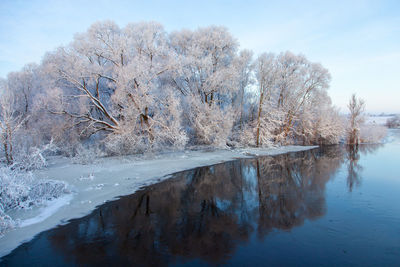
{"points": [[201, 214], [354, 167]]}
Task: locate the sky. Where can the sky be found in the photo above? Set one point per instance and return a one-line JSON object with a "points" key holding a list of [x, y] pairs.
{"points": [[357, 41]]}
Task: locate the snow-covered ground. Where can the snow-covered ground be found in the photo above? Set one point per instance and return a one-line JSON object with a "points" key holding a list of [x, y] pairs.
{"points": [[108, 178]]}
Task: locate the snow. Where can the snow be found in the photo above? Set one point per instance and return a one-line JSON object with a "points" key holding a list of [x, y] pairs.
{"points": [[46, 211], [108, 178]]}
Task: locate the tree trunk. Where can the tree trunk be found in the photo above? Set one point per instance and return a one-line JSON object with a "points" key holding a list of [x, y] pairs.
{"points": [[259, 120], [8, 146]]}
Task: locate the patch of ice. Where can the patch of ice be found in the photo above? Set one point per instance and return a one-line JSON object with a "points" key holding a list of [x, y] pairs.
{"points": [[49, 209]]}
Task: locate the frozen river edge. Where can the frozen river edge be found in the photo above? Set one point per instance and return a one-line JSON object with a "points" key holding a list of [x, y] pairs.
{"points": [[109, 178]]}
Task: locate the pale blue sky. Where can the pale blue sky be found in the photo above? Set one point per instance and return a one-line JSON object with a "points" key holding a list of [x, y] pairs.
{"points": [[358, 41]]}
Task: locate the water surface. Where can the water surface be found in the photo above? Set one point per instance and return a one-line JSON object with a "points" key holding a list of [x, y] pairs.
{"points": [[328, 206]]}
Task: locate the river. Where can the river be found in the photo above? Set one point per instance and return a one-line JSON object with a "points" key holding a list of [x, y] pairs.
{"points": [[333, 205]]}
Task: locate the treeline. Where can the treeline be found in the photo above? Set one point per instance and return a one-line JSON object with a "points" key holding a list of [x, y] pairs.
{"points": [[393, 122], [139, 88]]}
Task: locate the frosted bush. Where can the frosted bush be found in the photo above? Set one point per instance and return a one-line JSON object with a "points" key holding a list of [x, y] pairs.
{"points": [[128, 141], [393, 122], [21, 190], [372, 133], [209, 124], [87, 155], [124, 143], [6, 223], [243, 137], [34, 158]]}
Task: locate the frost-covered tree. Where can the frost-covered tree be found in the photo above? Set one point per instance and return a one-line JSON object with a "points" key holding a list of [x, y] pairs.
{"points": [[207, 81], [23, 84], [288, 84], [266, 73], [29, 89], [372, 133], [139, 88], [10, 123], [298, 80], [319, 122], [84, 72], [244, 67], [113, 80], [243, 100], [393, 122], [146, 103], [356, 108]]}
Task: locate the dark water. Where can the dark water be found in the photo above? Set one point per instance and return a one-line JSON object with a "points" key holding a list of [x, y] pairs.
{"points": [[329, 206]]}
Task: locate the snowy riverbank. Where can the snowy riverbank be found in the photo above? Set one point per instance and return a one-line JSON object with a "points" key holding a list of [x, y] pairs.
{"points": [[108, 178]]}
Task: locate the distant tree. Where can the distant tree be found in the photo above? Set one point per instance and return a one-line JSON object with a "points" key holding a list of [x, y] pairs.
{"points": [[393, 122], [356, 108]]}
